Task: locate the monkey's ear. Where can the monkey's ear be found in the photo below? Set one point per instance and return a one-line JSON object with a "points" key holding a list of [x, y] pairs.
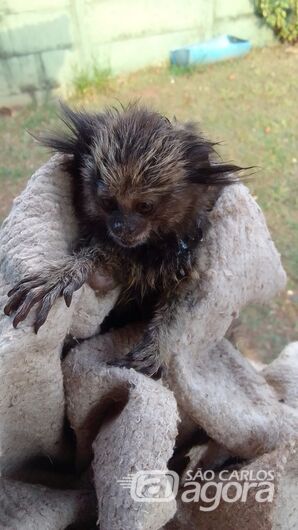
{"points": [[210, 174], [203, 164], [77, 138]]}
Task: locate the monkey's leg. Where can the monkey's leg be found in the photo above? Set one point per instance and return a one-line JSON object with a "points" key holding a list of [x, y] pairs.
{"points": [[150, 356], [60, 279]]}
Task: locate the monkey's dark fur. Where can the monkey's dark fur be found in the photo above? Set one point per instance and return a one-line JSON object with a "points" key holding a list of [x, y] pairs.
{"points": [[142, 190]]}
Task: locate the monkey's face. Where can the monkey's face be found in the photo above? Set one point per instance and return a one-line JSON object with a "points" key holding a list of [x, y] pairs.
{"points": [[137, 215], [137, 173], [136, 177], [128, 220]]}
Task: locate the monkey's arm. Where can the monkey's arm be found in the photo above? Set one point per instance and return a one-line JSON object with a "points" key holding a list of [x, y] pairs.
{"points": [[60, 279], [150, 356], [146, 356]]}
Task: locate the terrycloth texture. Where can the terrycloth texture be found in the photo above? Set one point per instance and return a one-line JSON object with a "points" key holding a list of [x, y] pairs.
{"points": [[145, 425], [279, 374], [232, 402], [28, 507], [40, 229], [123, 421], [237, 407], [85, 368], [279, 514], [242, 266]]}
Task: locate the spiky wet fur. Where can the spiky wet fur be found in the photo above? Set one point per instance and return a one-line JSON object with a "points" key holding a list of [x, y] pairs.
{"points": [[130, 155], [139, 153]]}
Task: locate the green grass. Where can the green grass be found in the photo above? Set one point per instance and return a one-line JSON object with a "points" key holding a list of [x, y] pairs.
{"points": [[86, 82], [250, 106], [189, 70]]}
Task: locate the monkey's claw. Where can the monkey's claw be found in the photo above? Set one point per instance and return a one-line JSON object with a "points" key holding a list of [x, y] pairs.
{"points": [[42, 290], [146, 364]]}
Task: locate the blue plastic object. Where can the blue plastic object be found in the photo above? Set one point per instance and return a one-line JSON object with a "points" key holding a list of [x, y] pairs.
{"points": [[218, 49]]}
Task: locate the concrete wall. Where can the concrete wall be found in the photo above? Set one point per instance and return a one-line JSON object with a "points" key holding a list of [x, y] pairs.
{"points": [[44, 43]]}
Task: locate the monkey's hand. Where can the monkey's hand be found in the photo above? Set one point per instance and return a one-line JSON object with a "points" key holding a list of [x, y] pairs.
{"points": [[144, 358], [44, 289]]}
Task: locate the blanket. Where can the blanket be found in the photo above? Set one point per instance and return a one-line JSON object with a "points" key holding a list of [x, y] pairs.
{"points": [[212, 407]]}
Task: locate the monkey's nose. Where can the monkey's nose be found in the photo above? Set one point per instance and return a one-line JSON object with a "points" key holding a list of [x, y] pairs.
{"points": [[117, 227]]}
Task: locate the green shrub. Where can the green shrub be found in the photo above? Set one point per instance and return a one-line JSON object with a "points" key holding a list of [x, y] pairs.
{"points": [[282, 17]]}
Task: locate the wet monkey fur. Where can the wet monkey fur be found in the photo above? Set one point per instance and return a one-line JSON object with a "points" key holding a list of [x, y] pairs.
{"points": [[143, 187]]}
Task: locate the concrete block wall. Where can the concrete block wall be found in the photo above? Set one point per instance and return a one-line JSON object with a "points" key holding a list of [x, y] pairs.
{"points": [[37, 43], [44, 43]]}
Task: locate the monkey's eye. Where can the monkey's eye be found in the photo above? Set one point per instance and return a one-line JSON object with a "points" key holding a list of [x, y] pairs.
{"points": [[144, 207], [108, 204]]}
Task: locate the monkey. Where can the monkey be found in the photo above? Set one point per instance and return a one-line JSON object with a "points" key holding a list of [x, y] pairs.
{"points": [[143, 187]]}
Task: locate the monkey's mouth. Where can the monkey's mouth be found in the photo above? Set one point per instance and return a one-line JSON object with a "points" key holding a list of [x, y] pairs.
{"points": [[126, 242]]}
